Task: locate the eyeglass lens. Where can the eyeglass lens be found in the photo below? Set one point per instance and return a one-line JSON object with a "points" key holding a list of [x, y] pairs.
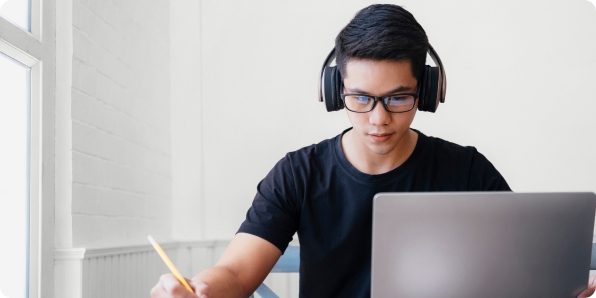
{"points": [[363, 103]]}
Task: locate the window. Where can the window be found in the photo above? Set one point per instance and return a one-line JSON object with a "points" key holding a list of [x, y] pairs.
{"points": [[17, 12], [14, 174], [22, 153]]}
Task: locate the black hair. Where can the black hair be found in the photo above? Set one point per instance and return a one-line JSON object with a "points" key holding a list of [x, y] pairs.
{"points": [[383, 32]]}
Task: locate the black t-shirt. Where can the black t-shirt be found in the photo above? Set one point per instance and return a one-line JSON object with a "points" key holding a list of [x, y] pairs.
{"points": [[316, 192]]}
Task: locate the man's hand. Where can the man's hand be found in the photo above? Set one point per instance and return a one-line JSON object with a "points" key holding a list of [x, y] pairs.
{"points": [[591, 288], [242, 268], [169, 287]]}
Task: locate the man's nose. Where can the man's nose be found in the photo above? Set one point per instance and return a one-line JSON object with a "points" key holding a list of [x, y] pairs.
{"points": [[379, 115]]}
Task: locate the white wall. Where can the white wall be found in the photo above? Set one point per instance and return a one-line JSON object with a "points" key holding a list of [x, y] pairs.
{"points": [[116, 139], [520, 79], [186, 120]]}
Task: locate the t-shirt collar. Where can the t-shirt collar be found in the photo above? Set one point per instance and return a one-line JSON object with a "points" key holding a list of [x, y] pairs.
{"points": [[380, 178]]}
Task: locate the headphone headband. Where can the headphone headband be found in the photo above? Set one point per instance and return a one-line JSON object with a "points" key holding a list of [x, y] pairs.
{"points": [[442, 78], [433, 84], [327, 62]]}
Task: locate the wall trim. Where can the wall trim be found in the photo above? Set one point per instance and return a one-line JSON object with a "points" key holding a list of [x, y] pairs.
{"points": [[80, 253]]}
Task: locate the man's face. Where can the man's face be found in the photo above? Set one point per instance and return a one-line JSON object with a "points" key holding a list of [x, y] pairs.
{"points": [[379, 130]]}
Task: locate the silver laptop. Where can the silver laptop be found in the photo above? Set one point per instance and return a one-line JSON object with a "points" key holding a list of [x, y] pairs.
{"points": [[482, 244]]}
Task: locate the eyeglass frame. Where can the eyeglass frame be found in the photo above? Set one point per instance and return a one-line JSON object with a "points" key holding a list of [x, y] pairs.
{"points": [[381, 99]]}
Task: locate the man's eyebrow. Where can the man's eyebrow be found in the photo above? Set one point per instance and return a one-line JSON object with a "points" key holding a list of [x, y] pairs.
{"points": [[398, 89]]}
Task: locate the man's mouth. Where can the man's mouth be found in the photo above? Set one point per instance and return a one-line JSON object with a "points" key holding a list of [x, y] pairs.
{"points": [[380, 137]]}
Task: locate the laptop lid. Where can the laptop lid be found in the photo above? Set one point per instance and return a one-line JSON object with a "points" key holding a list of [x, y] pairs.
{"points": [[483, 244]]}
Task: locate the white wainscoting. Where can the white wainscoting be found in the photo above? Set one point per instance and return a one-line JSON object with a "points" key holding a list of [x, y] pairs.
{"points": [[130, 272]]}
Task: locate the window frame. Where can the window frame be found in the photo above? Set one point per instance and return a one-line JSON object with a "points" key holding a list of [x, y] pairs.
{"points": [[30, 49]]}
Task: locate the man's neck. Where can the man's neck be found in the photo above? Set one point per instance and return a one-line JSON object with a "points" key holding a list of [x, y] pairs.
{"points": [[368, 162]]}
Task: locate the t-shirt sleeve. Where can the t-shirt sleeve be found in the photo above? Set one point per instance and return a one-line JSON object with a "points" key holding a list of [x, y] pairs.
{"points": [[484, 176], [274, 213]]}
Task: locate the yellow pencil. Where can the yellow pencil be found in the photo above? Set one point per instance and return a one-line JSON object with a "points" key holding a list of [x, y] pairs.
{"points": [[165, 258]]}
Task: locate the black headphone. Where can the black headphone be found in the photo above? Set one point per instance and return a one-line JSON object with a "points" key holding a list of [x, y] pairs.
{"points": [[432, 86]]}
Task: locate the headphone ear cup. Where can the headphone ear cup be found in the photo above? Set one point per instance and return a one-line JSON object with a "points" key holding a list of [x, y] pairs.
{"points": [[433, 99], [338, 87], [328, 87], [332, 89], [422, 87], [429, 100]]}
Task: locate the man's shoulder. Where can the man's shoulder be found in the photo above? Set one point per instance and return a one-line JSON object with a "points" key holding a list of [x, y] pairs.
{"points": [[454, 160], [322, 150], [442, 148], [442, 144]]}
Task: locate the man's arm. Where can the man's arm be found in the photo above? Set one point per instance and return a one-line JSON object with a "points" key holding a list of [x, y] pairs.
{"points": [[242, 268]]}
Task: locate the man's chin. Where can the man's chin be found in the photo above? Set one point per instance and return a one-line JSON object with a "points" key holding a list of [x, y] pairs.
{"points": [[380, 149]]}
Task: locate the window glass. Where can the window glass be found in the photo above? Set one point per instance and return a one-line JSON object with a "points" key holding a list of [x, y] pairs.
{"points": [[14, 177], [17, 12]]}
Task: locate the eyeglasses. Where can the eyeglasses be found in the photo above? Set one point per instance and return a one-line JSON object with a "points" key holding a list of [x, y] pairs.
{"points": [[396, 103]]}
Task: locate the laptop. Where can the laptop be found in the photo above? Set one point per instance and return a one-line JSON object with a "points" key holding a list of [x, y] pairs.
{"points": [[481, 244]]}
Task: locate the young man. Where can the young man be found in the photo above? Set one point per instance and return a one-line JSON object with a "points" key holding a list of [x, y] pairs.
{"points": [[324, 192]]}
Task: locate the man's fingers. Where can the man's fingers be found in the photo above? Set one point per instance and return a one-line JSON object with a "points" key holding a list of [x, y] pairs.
{"points": [[201, 288], [171, 288], [588, 292], [591, 288], [158, 291]]}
